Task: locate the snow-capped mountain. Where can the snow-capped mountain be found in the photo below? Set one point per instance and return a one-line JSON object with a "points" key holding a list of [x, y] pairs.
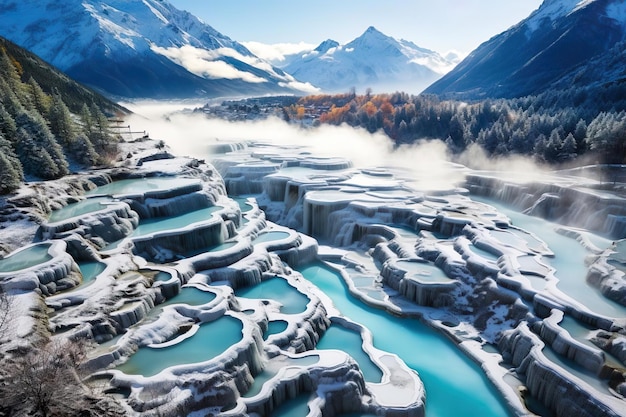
{"points": [[139, 48], [555, 43], [373, 60]]}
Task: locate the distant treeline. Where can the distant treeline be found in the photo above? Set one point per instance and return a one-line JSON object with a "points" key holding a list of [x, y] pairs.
{"points": [[39, 135], [553, 127]]}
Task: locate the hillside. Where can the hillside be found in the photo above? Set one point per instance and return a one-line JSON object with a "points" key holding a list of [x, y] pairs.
{"points": [[50, 79], [136, 48], [559, 40], [49, 124]]}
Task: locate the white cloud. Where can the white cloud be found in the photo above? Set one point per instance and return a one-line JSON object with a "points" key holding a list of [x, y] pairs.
{"points": [[300, 86], [155, 109], [305, 87], [205, 63], [455, 56], [275, 53], [437, 65]]}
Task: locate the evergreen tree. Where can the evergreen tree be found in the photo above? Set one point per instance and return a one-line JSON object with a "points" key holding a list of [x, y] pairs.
{"points": [[457, 132], [39, 100], [96, 128], [541, 144], [403, 130], [101, 122], [8, 128], [10, 178], [85, 118], [553, 147], [568, 150], [38, 151], [519, 142], [35, 159], [12, 104], [580, 135], [83, 151], [61, 123], [10, 71], [6, 148]]}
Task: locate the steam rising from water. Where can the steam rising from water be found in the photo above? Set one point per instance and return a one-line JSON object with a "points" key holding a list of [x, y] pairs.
{"points": [[189, 134]]}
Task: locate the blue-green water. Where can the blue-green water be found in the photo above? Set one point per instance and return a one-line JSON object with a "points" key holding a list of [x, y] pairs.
{"points": [[349, 341], [569, 262], [191, 296], [78, 209], [213, 248], [26, 258], [270, 236], [292, 300], [211, 340], [90, 270], [161, 224], [455, 386], [484, 253], [244, 206], [141, 185], [155, 225], [275, 327], [162, 276]]}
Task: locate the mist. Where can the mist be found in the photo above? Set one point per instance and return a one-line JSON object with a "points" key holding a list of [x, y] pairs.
{"points": [[189, 134]]}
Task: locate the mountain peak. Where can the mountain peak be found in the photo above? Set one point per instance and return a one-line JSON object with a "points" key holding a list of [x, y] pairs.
{"points": [[323, 47], [560, 37], [373, 38], [139, 48], [552, 10], [372, 32], [372, 60]]}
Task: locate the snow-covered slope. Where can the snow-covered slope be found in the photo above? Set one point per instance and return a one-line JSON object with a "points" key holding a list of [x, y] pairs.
{"points": [[556, 41], [138, 48], [373, 60]]}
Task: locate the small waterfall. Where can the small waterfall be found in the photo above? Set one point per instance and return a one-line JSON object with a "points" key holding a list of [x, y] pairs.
{"points": [[316, 217], [166, 246], [546, 381], [114, 222], [576, 206]]}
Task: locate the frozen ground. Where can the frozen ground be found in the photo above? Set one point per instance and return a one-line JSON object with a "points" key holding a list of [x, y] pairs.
{"points": [[461, 266]]}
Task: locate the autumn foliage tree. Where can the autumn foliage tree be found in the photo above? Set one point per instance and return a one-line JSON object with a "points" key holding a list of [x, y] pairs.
{"points": [[548, 127]]}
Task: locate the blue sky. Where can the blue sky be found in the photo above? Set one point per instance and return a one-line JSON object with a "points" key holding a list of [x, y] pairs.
{"points": [[440, 25]]}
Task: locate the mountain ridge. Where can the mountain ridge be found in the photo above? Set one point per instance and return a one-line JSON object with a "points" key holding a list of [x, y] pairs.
{"points": [[554, 40], [137, 42], [372, 60], [51, 80]]}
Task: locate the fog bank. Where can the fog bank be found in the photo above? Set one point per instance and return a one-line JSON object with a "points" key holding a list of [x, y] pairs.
{"points": [[189, 134]]}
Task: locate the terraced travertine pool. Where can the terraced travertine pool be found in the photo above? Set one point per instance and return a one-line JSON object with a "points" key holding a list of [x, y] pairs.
{"points": [[26, 258], [445, 371]]}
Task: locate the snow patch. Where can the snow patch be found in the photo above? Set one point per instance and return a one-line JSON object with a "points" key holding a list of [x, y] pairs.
{"points": [[553, 10], [278, 53], [156, 12]]}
